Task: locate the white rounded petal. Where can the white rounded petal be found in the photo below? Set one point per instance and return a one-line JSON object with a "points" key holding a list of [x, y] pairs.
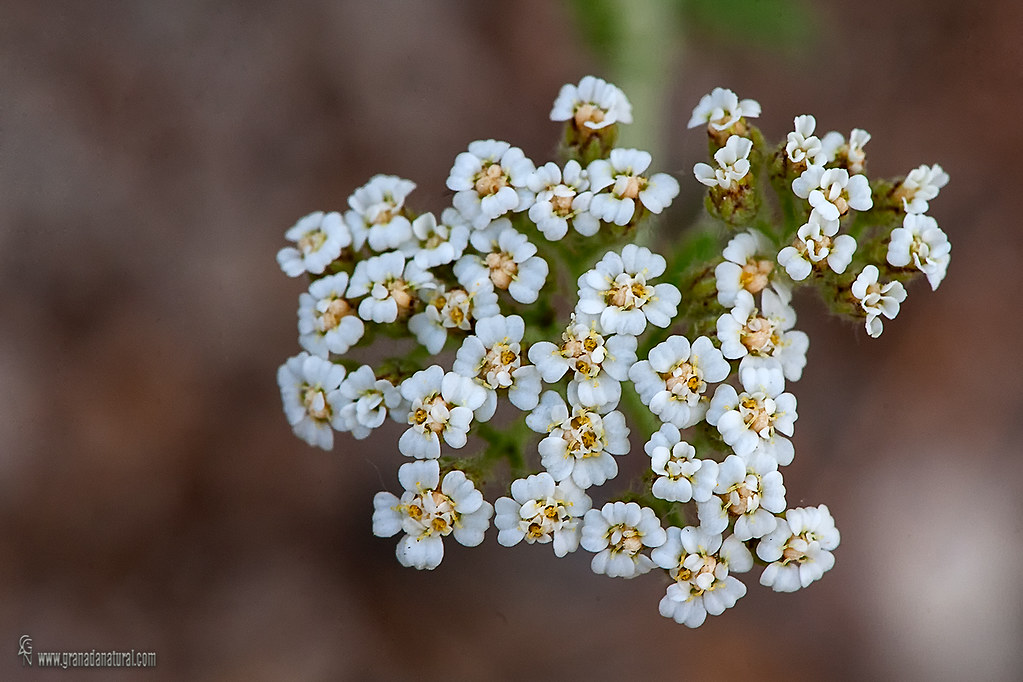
{"points": [[425, 552]]}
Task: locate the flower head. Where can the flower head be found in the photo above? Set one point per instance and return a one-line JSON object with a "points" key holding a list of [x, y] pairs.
{"points": [[598, 363], [799, 548], [591, 105], [429, 510], [920, 186], [832, 191], [562, 198], [617, 292], [700, 565], [759, 418], [733, 164], [618, 532], [723, 113], [457, 307], [623, 174], [377, 214], [921, 242], [366, 401], [441, 406], [490, 180], [309, 390], [802, 146], [509, 260], [580, 441], [877, 299], [389, 284], [750, 492], [744, 267], [816, 245], [672, 381], [681, 475], [319, 238], [543, 511], [437, 243], [750, 333], [493, 358], [327, 321]]}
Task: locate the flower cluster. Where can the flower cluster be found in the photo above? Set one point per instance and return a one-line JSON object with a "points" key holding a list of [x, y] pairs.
{"points": [[571, 342]]}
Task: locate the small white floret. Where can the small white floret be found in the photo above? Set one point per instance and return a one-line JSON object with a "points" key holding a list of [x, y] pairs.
{"points": [[721, 109], [923, 244], [319, 238], [591, 105], [617, 532], [733, 164], [327, 321], [429, 510], [877, 299], [312, 403], [799, 549], [541, 510], [700, 564], [618, 293], [377, 214], [489, 180]]}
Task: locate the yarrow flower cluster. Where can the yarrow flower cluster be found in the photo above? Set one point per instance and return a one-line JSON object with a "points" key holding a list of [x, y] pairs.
{"points": [[570, 343]]}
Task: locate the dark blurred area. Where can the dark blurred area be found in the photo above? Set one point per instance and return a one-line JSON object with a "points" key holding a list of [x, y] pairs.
{"points": [[152, 495]]}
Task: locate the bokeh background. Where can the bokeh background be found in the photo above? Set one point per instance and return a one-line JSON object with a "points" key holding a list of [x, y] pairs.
{"points": [[152, 495]]}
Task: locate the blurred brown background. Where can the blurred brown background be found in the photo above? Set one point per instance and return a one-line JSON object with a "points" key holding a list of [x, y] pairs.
{"points": [[153, 496]]}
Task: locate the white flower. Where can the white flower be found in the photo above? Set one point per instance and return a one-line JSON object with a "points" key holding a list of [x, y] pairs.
{"points": [[700, 563], [799, 548], [593, 104], [832, 191], [623, 172], [755, 419], [434, 243], [428, 512], [681, 475], [543, 511], [673, 379], [493, 358], [391, 285], [742, 269], [802, 145], [877, 299], [377, 213], [746, 332], [733, 164], [816, 244], [920, 186], [366, 401], [849, 155], [509, 261], [579, 443], [309, 391], [454, 308], [598, 364], [751, 491], [618, 532], [921, 242], [327, 322], [561, 198], [441, 406], [616, 290], [489, 180], [319, 237], [721, 109]]}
